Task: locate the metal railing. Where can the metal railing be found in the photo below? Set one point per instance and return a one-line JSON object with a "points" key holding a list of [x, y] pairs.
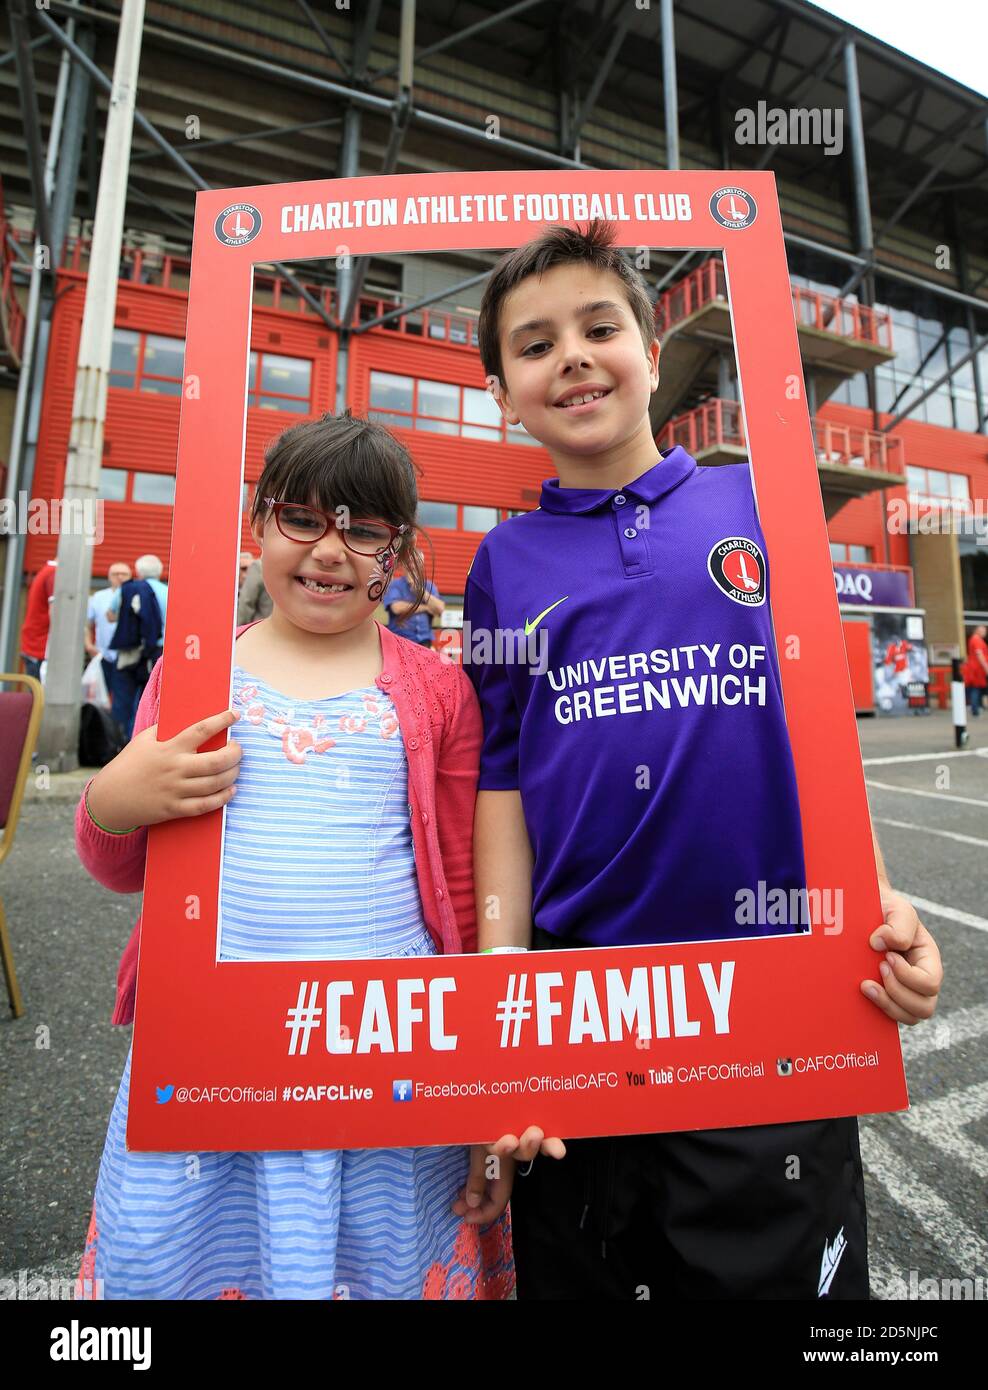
{"points": [[713, 424], [843, 317], [701, 286], [718, 423], [144, 267], [854, 447]]}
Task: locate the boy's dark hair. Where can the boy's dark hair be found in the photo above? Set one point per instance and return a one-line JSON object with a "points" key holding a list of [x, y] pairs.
{"points": [[558, 246], [345, 461]]}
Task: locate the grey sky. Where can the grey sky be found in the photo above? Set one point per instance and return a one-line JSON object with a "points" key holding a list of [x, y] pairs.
{"points": [[950, 35]]}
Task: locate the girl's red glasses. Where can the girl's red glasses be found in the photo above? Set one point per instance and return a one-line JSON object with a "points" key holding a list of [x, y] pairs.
{"points": [[306, 525]]}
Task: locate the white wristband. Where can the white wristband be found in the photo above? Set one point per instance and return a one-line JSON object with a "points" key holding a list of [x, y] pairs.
{"points": [[503, 950]]}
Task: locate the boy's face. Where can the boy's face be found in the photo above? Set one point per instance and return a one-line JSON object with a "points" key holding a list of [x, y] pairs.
{"points": [[571, 351]]}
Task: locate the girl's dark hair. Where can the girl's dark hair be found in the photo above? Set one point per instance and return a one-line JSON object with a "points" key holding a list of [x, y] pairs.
{"points": [[345, 461], [558, 246]]}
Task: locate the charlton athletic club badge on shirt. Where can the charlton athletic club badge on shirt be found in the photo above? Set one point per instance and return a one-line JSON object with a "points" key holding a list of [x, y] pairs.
{"points": [[737, 566]]}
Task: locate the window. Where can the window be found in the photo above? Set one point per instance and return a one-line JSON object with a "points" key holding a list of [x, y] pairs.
{"points": [[934, 485], [121, 485], [147, 362], [480, 518], [441, 407], [158, 488], [846, 554], [438, 407], [112, 484], [482, 419], [437, 514], [454, 516], [923, 348], [123, 358], [285, 383], [853, 391], [164, 359]]}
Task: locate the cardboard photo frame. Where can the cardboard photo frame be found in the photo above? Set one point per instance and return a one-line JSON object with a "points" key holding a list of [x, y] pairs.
{"points": [[242, 1058]]}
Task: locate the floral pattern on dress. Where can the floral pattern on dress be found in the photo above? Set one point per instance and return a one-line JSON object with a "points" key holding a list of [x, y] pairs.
{"points": [[308, 733], [85, 1284], [480, 1267]]}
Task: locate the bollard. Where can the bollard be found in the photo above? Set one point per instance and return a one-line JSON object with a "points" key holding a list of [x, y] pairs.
{"points": [[958, 704]]}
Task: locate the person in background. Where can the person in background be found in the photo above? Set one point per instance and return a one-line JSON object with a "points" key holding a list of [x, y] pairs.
{"points": [[37, 618], [149, 567], [976, 668], [400, 603], [137, 642], [254, 601], [246, 560], [100, 628]]}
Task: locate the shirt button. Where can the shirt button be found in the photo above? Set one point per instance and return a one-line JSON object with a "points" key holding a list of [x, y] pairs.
{"points": [[630, 532], [413, 743], [440, 894], [620, 500], [425, 817], [386, 678]]}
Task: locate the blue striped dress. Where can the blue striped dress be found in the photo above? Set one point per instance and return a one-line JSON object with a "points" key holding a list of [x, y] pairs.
{"points": [[317, 863]]}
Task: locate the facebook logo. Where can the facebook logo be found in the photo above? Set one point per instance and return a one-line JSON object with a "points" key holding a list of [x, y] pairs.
{"points": [[401, 1090]]}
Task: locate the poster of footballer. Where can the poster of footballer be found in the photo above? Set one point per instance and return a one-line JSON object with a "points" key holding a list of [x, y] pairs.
{"points": [[658, 671]]}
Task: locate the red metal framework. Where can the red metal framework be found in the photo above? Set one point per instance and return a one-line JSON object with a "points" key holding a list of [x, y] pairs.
{"points": [[855, 447], [715, 423], [719, 423], [695, 290], [845, 318], [168, 272]]}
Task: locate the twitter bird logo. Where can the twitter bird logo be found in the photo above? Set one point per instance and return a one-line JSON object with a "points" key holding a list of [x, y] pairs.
{"points": [[164, 1094]]}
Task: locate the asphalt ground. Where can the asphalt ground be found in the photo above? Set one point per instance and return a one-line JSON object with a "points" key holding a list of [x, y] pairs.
{"points": [[60, 1064]]}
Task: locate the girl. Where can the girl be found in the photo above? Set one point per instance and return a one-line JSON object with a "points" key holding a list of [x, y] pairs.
{"points": [[352, 746]]}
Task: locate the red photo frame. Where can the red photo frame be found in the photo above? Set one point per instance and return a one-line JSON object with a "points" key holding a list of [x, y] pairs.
{"points": [[217, 1064]]}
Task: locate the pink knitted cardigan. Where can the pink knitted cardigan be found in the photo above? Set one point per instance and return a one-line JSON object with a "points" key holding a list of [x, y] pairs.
{"points": [[440, 725]]}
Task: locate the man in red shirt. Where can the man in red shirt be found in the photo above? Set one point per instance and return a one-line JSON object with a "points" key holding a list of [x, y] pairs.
{"points": [[976, 668], [37, 617]]}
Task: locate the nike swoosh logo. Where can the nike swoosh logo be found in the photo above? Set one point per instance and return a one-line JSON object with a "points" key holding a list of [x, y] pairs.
{"points": [[832, 1256], [531, 626]]}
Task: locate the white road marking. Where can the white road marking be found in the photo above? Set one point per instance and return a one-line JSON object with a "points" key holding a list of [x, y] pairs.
{"points": [[924, 757], [941, 1123], [954, 1239], [940, 1032], [912, 791], [928, 830], [949, 914]]}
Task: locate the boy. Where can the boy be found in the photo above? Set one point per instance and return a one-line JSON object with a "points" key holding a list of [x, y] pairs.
{"points": [[602, 786]]}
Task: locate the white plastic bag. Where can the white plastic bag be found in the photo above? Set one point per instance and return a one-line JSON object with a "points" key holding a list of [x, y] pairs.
{"points": [[94, 691]]}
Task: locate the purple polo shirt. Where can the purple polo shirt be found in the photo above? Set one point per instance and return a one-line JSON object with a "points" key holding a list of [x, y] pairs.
{"points": [[621, 646]]}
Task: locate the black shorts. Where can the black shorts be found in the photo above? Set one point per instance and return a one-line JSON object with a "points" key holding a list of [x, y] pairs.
{"points": [[763, 1211]]}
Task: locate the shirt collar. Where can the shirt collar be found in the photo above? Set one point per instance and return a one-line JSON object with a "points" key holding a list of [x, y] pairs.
{"points": [[674, 466]]}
